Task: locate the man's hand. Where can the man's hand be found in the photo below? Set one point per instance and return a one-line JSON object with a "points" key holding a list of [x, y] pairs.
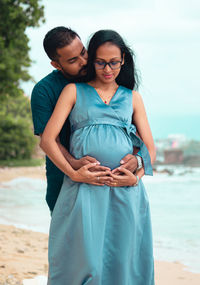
{"points": [[78, 163], [128, 162], [99, 177]]}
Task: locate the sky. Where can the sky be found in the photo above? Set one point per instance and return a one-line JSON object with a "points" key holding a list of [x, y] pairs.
{"points": [[165, 36]]}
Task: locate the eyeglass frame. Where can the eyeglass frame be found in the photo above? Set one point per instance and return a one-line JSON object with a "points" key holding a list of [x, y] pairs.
{"points": [[109, 64]]}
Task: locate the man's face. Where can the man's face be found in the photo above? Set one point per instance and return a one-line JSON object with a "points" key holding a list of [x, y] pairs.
{"points": [[72, 59]]}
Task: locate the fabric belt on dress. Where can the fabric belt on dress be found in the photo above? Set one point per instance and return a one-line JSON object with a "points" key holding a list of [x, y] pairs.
{"points": [[130, 130]]}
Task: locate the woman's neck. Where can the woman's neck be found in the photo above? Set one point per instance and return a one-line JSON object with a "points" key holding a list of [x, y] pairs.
{"points": [[97, 84]]}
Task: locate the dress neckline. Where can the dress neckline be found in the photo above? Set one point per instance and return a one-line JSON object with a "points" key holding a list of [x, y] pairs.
{"points": [[114, 95]]}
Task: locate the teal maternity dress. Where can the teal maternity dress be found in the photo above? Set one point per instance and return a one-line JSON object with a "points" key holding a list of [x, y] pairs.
{"points": [[101, 235]]}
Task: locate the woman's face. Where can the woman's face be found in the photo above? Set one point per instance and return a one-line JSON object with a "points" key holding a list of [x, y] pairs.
{"points": [[107, 53]]}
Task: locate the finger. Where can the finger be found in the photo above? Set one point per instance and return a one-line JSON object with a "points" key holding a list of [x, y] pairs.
{"points": [[130, 165], [100, 168], [99, 184], [97, 168], [124, 170], [111, 184], [126, 158], [89, 165], [101, 173], [116, 171], [91, 159], [106, 179], [117, 177], [103, 180]]}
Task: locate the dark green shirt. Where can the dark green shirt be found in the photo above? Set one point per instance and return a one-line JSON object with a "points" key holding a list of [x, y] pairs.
{"points": [[43, 100]]}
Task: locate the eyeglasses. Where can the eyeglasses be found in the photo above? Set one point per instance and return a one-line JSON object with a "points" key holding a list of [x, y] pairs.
{"points": [[111, 64]]}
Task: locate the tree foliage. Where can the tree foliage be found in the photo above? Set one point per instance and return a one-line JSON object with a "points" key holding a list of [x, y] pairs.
{"points": [[16, 136], [15, 17], [17, 140]]}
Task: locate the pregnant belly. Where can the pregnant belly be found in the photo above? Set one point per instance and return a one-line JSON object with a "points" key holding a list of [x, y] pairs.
{"points": [[108, 144]]}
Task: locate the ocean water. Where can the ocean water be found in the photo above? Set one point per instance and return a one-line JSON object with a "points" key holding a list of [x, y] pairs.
{"points": [[175, 211], [22, 203]]}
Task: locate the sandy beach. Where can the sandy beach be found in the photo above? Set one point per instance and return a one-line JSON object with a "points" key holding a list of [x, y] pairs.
{"points": [[23, 253]]}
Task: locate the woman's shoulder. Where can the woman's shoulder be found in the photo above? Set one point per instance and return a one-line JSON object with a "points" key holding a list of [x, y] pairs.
{"points": [[136, 95], [71, 87], [80, 85], [69, 92]]}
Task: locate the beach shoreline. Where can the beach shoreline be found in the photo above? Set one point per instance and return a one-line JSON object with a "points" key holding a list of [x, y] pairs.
{"points": [[10, 173], [23, 253]]}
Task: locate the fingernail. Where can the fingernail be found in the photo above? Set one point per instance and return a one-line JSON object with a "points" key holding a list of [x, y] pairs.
{"points": [[119, 168], [98, 162], [122, 161]]}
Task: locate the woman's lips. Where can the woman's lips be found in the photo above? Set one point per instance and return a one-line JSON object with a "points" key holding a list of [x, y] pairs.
{"points": [[107, 76]]}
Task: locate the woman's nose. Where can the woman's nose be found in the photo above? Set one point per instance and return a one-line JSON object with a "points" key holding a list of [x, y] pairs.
{"points": [[107, 68]]}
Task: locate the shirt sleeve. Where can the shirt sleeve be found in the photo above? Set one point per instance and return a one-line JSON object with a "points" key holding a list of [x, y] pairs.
{"points": [[42, 108]]}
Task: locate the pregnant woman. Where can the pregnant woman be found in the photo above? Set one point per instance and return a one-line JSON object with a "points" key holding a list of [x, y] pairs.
{"points": [[101, 234]]}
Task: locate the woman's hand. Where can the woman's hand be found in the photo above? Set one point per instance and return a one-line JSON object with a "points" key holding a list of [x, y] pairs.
{"points": [[99, 177], [125, 178]]}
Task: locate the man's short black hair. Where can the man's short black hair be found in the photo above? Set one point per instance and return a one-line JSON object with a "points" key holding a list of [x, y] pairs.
{"points": [[56, 38]]}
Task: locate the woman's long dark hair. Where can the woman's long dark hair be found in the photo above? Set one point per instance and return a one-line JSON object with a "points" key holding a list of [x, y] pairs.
{"points": [[127, 76]]}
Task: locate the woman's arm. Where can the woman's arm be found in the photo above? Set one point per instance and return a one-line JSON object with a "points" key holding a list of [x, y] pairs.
{"points": [[48, 141], [142, 125], [65, 103]]}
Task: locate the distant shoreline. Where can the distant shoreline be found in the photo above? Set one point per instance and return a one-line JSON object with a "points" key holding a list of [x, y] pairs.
{"points": [[9, 173]]}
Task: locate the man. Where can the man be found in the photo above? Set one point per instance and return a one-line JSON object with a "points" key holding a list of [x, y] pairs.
{"points": [[69, 57]]}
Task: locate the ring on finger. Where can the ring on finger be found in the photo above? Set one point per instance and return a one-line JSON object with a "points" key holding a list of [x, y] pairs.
{"points": [[98, 178]]}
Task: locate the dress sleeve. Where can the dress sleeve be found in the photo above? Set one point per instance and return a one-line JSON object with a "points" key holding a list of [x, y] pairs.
{"points": [[42, 108]]}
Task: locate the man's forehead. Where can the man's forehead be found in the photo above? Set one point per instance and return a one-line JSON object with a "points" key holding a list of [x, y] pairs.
{"points": [[71, 50]]}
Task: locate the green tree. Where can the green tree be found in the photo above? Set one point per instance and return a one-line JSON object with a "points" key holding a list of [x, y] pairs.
{"points": [[16, 137], [15, 17]]}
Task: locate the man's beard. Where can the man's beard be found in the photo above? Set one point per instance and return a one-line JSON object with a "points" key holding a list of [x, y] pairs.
{"points": [[74, 78]]}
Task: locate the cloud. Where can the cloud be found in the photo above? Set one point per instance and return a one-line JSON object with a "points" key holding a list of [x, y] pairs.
{"points": [[164, 34], [182, 9], [143, 20]]}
